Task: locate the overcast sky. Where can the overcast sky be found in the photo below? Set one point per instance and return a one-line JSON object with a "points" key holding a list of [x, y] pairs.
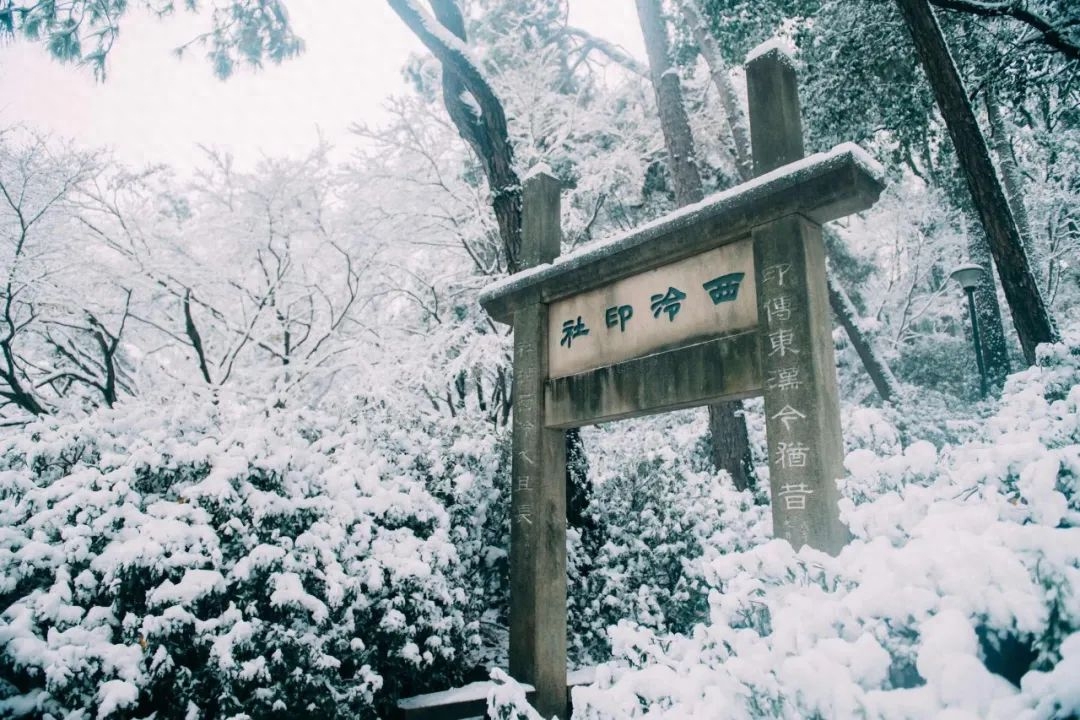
{"points": [[157, 108]]}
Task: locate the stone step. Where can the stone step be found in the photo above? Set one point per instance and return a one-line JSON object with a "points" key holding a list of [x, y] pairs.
{"points": [[470, 701], [460, 703]]}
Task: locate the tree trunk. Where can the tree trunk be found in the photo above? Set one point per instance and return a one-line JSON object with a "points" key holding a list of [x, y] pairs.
{"points": [[485, 131], [729, 99], [1029, 313], [489, 138], [727, 425], [845, 312], [992, 329], [842, 307], [669, 104], [1011, 177]]}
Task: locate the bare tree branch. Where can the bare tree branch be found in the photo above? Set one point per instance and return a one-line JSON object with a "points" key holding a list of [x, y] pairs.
{"points": [[1051, 34], [615, 53]]}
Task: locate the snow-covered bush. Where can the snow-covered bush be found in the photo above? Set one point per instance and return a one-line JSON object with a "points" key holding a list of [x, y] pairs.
{"points": [[507, 699], [959, 592], [656, 512], [465, 464], [182, 561]]}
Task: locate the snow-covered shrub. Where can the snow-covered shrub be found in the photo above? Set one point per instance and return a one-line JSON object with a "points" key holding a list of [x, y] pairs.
{"points": [[465, 464], [508, 699], [187, 561], [658, 515], [960, 591]]}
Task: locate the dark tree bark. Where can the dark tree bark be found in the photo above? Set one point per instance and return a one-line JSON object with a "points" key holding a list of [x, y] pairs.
{"points": [[669, 104], [727, 425], [1011, 177], [485, 132], [489, 139], [848, 317], [194, 338], [992, 329], [843, 309], [15, 393], [729, 98], [1029, 313]]}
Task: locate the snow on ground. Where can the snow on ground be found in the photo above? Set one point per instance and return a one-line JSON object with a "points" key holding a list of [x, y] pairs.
{"points": [[959, 595]]}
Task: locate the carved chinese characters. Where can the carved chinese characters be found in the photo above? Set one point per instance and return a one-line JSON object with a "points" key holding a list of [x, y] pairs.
{"points": [[801, 406], [723, 300], [679, 304]]}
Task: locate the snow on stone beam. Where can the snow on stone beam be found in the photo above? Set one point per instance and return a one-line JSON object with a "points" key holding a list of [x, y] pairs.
{"points": [[538, 169], [471, 700], [821, 187], [778, 45]]}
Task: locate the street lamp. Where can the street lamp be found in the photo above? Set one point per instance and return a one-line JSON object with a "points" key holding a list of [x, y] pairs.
{"points": [[969, 276]]}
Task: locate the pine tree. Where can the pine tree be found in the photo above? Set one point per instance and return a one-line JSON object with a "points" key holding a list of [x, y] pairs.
{"points": [[1029, 312], [727, 424]]}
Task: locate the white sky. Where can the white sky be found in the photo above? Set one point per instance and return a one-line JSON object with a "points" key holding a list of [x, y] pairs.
{"points": [[157, 108]]}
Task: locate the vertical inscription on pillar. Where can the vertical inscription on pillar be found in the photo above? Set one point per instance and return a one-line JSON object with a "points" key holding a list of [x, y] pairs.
{"points": [[790, 446], [538, 479], [801, 415]]}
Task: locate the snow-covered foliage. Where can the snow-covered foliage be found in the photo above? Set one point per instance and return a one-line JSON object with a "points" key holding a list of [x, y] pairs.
{"points": [[183, 534], [464, 465], [653, 514], [960, 591], [508, 699], [187, 560]]}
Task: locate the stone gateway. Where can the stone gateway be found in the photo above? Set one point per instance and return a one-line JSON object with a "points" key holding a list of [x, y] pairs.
{"points": [[721, 300]]}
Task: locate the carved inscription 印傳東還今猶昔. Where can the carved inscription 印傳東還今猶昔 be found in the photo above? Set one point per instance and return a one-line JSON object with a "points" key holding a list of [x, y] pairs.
{"points": [[782, 348], [689, 301]]}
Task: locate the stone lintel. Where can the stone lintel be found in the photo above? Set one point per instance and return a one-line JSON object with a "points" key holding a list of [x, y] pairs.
{"points": [[822, 187], [720, 369]]}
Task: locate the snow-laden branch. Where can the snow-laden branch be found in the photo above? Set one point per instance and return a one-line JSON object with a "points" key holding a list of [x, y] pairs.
{"points": [[614, 53], [1051, 34], [466, 89]]}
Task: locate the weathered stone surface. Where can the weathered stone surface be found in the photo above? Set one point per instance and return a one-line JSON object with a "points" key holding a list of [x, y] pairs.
{"points": [[538, 494], [802, 408], [727, 367], [701, 297], [822, 187], [776, 137]]}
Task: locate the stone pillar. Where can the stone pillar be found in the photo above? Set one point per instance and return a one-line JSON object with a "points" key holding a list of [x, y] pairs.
{"points": [[538, 493], [772, 92], [802, 406]]}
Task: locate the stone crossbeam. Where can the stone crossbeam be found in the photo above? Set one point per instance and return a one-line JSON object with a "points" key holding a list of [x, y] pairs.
{"points": [[821, 187]]}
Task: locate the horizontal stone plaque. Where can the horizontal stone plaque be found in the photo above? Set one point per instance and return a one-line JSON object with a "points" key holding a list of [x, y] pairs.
{"points": [[689, 301]]}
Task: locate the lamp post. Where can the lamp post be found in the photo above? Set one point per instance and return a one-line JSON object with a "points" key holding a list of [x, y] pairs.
{"points": [[969, 276]]}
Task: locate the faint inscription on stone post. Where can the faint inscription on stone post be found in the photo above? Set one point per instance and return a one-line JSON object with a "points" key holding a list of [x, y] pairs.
{"points": [[790, 441], [801, 413]]}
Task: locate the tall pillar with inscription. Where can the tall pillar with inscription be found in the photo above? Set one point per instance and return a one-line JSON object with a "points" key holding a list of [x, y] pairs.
{"points": [[802, 408], [538, 493]]}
